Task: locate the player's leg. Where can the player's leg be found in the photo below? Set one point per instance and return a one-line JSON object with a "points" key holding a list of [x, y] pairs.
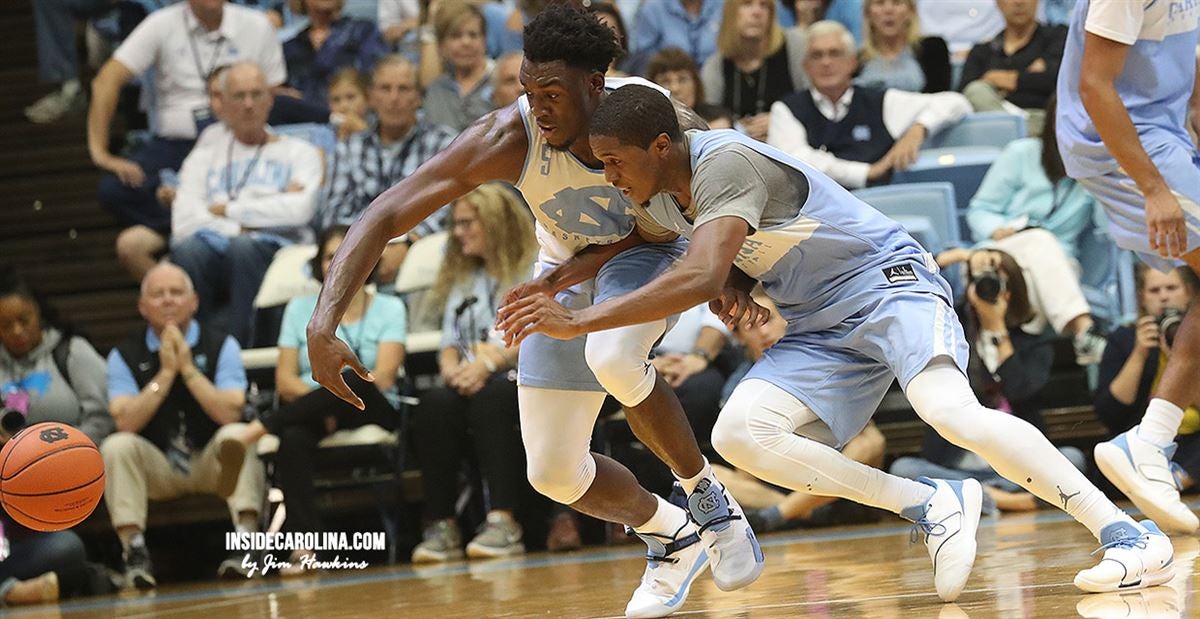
{"points": [[1138, 461], [619, 358], [556, 427], [1138, 555], [768, 432]]}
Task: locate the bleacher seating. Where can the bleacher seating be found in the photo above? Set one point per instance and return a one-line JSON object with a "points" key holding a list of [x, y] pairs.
{"points": [[994, 129], [962, 166], [926, 210]]}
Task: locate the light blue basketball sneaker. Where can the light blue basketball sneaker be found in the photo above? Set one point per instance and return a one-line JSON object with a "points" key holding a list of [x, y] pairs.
{"points": [[949, 519]]}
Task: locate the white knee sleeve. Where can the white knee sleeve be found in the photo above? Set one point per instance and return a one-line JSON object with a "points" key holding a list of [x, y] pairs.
{"points": [[556, 427], [620, 360]]}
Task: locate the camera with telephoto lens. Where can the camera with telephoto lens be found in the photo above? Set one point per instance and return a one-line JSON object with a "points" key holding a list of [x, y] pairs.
{"points": [[14, 411], [988, 285], [1168, 324]]}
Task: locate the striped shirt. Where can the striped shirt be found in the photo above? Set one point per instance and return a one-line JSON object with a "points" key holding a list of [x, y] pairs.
{"points": [[362, 168]]}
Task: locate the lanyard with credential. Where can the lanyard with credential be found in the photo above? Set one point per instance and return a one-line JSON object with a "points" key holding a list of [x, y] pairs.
{"points": [[216, 55], [230, 190], [390, 179]]}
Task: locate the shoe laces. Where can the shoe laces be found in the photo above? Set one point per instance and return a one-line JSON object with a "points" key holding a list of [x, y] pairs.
{"points": [[926, 526], [1128, 543]]}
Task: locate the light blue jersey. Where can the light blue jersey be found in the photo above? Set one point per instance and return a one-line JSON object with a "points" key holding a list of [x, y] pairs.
{"points": [[819, 262], [1154, 86], [864, 303]]}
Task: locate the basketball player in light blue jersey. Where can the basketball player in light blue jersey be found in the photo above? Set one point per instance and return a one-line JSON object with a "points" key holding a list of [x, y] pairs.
{"points": [[539, 144], [864, 304], [1125, 89]]}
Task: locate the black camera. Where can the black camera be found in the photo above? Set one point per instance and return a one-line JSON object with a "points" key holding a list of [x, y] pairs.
{"points": [[988, 285], [14, 409], [1168, 324]]}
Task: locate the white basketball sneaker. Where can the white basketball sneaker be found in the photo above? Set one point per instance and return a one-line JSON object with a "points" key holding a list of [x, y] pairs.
{"points": [[1142, 471], [736, 557], [949, 519], [1136, 556], [672, 564], [1152, 603]]}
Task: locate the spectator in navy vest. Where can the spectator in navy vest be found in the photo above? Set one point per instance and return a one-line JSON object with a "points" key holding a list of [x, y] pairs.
{"points": [[857, 136], [176, 391], [462, 92], [756, 64], [1018, 69], [895, 55], [690, 25], [242, 197], [331, 42], [183, 44]]}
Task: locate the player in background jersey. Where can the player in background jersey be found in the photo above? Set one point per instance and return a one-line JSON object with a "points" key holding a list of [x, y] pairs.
{"points": [[864, 304], [1125, 90], [540, 145]]}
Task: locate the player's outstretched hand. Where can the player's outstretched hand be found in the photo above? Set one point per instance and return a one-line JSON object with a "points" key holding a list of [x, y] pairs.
{"points": [[735, 306], [536, 314], [1165, 225], [328, 355]]}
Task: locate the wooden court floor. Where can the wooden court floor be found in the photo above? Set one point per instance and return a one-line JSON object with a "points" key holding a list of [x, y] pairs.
{"points": [[1024, 569]]}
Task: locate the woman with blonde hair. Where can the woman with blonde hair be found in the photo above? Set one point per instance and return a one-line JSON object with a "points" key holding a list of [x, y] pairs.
{"points": [[474, 414], [895, 55], [756, 64]]}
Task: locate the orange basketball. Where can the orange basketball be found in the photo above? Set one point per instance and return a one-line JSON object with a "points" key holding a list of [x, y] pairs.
{"points": [[51, 476]]}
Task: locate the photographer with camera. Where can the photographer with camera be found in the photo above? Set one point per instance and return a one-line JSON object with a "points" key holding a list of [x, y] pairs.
{"points": [[45, 375], [1008, 368], [1136, 355]]}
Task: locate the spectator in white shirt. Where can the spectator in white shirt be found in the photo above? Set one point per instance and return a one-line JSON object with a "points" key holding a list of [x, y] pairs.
{"points": [[182, 43], [397, 17], [858, 136], [240, 200]]}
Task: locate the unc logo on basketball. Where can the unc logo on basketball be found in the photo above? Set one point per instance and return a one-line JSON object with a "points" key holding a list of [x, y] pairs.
{"points": [[594, 212], [52, 435]]}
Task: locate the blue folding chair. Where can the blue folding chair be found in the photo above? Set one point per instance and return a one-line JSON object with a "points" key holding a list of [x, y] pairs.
{"points": [[926, 210], [995, 129], [963, 167], [319, 135]]}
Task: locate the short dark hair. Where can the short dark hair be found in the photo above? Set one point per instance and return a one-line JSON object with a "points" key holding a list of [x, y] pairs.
{"points": [[710, 112], [635, 115], [317, 265], [577, 38]]}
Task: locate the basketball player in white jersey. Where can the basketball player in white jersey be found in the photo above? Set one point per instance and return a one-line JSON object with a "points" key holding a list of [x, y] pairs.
{"points": [[864, 304], [540, 145], [1125, 91]]}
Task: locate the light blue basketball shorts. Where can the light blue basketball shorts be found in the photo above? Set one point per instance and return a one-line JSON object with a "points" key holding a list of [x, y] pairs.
{"points": [[560, 364], [1125, 205], [842, 373]]}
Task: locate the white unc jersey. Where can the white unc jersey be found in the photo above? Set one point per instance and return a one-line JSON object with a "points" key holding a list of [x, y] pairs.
{"points": [[573, 205]]}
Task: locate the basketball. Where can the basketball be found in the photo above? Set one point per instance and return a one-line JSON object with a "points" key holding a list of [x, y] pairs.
{"points": [[51, 477]]}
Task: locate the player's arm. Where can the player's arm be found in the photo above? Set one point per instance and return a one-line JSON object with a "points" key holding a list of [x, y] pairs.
{"points": [[699, 276], [1103, 61], [492, 148]]}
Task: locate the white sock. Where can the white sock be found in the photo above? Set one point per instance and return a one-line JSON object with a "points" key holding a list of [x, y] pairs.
{"points": [[70, 87], [667, 520], [136, 541], [689, 483], [1161, 422], [1014, 448]]}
